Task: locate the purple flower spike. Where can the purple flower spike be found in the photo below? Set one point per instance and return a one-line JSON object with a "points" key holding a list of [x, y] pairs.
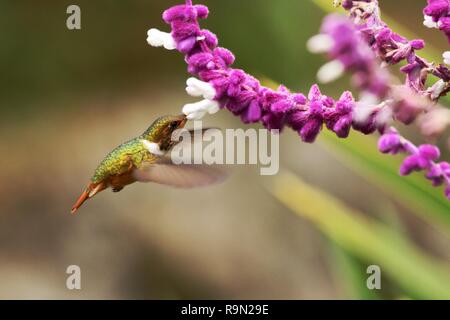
{"points": [[273, 122], [253, 113], [355, 46]]}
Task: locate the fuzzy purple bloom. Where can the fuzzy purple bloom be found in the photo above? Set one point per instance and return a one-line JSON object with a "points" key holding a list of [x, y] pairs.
{"points": [[355, 55], [390, 143], [340, 118]]}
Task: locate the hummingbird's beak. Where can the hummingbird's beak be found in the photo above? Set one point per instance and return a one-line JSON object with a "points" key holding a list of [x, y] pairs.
{"points": [[183, 122], [90, 191]]}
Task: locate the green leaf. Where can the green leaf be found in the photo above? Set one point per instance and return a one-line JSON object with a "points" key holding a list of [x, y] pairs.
{"points": [[417, 274]]}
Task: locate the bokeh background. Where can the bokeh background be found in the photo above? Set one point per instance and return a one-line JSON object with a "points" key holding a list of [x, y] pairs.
{"points": [[69, 97]]}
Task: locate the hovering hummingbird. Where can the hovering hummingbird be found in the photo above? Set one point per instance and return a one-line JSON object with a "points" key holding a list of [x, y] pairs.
{"points": [[144, 159]]}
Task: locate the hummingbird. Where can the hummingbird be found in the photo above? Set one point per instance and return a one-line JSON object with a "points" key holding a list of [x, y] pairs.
{"points": [[144, 159]]}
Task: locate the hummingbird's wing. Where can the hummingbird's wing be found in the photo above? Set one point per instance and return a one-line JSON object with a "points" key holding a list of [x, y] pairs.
{"points": [[181, 176], [164, 171], [196, 139]]}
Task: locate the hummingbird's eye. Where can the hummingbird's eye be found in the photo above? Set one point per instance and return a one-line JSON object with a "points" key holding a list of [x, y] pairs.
{"points": [[174, 124]]}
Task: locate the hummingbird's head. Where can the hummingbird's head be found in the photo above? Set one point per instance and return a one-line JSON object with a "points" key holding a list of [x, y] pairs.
{"points": [[162, 128]]}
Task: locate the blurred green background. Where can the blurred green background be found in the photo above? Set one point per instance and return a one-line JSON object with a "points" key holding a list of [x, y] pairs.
{"points": [[69, 97]]}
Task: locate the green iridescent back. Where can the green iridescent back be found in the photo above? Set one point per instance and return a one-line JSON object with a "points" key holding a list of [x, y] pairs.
{"points": [[118, 161]]}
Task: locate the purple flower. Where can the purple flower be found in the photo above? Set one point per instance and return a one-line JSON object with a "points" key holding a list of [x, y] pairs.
{"points": [[444, 25], [273, 121], [339, 119], [253, 112], [308, 120], [349, 52], [422, 158], [390, 143], [235, 82], [437, 8], [437, 15], [416, 75]]}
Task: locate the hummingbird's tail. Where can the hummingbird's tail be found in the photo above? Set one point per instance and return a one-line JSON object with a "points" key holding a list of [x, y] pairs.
{"points": [[91, 190]]}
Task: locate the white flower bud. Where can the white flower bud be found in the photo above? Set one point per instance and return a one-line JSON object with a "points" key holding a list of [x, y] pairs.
{"points": [[367, 104], [385, 114], [152, 147], [320, 43], [330, 71], [196, 115], [198, 88], [370, 7], [198, 110], [157, 38], [446, 56], [437, 89], [429, 23]]}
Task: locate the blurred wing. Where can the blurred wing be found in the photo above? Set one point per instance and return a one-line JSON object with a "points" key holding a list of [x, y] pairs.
{"points": [[181, 176], [195, 143]]}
